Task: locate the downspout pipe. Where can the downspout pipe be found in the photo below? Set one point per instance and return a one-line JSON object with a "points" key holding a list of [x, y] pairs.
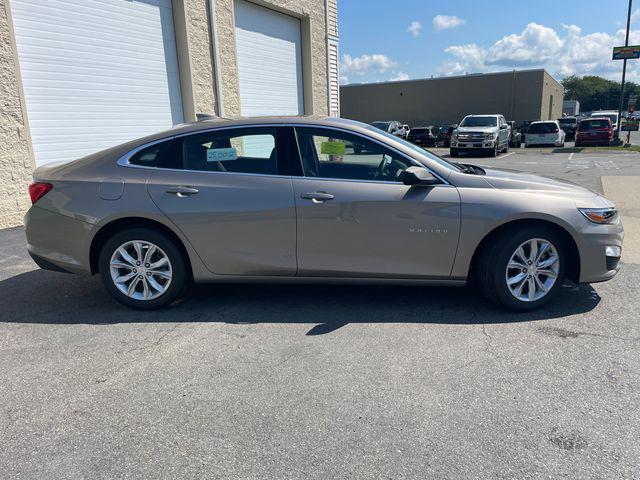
{"points": [[216, 58]]}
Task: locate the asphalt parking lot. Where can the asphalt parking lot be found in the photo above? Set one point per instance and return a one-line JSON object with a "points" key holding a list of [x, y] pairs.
{"points": [[256, 382]]}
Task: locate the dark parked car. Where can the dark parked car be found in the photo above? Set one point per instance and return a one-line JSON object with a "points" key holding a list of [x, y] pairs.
{"points": [[424, 136], [516, 137], [569, 125], [594, 131], [445, 136]]}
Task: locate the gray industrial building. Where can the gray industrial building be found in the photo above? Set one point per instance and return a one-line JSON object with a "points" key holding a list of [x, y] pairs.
{"points": [[518, 95]]}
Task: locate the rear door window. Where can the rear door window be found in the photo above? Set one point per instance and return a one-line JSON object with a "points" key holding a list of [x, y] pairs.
{"points": [[245, 150]]}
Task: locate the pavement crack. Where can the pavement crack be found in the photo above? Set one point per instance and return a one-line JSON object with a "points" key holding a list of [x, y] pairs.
{"points": [[489, 345]]}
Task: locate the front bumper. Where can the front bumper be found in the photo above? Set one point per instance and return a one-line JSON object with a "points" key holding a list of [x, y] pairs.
{"points": [[57, 242], [595, 265], [473, 145]]}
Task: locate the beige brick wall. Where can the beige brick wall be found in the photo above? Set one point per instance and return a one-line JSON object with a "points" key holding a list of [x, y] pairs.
{"points": [[16, 157]]}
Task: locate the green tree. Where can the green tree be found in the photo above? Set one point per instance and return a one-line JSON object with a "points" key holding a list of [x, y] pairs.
{"points": [[597, 93]]}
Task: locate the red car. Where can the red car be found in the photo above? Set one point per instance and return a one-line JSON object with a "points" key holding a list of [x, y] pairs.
{"points": [[594, 131]]}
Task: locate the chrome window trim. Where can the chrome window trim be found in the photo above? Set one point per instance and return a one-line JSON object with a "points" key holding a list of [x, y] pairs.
{"points": [[123, 161]]}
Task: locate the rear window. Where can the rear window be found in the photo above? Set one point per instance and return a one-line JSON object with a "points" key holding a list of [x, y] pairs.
{"points": [[591, 124], [543, 128]]}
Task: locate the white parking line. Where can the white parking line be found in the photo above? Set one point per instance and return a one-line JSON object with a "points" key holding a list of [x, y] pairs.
{"points": [[571, 155], [507, 154]]}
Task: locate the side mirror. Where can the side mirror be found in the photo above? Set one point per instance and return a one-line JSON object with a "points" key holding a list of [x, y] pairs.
{"points": [[418, 176], [503, 127]]}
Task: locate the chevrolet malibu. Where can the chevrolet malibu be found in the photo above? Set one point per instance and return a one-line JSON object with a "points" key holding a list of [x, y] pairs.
{"points": [[312, 200]]}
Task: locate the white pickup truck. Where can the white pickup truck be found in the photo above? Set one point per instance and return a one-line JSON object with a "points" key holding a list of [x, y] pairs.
{"points": [[484, 133]]}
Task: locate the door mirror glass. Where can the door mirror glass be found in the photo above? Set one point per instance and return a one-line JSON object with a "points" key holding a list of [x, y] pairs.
{"points": [[418, 176]]}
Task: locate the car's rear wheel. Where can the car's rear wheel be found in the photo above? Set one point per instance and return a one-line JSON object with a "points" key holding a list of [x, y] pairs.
{"points": [[142, 268], [523, 268]]}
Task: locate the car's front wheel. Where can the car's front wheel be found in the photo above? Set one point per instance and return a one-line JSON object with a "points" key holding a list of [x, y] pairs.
{"points": [[142, 268], [523, 268]]}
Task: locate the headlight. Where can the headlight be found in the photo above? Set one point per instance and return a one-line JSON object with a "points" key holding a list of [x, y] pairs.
{"points": [[454, 134], [489, 136], [600, 215]]}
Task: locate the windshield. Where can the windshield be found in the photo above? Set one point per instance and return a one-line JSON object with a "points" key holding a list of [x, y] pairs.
{"points": [[382, 125], [479, 122], [419, 150]]}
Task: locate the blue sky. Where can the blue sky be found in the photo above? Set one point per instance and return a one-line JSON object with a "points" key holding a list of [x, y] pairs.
{"points": [[384, 40]]}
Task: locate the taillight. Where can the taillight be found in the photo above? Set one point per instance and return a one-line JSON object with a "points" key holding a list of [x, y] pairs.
{"points": [[37, 190]]}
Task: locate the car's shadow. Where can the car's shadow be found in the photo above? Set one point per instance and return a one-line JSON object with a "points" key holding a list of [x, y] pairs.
{"points": [[45, 297]]}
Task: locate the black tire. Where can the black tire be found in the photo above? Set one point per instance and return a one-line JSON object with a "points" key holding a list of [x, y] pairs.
{"points": [[491, 269], [453, 152], [179, 269], [506, 148], [495, 151]]}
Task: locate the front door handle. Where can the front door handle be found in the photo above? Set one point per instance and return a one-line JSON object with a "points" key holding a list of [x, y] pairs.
{"points": [[317, 197], [182, 191]]}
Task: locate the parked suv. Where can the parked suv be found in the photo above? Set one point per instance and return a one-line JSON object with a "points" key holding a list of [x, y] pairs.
{"points": [[594, 131], [485, 133], [424, 136]]}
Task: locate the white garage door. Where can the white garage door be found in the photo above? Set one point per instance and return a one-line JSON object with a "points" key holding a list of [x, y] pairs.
{"points": [[269, 55], [95, 73]]}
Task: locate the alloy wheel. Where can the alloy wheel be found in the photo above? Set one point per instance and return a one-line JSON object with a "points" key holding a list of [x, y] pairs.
{"points": [[140, 270], [532, 270]]}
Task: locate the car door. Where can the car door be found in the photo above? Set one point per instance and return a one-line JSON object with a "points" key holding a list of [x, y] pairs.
{"points": [[231, 201], [357, 219], [503, 131]]}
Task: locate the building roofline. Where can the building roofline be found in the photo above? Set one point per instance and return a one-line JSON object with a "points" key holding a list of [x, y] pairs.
{"points": [[469, 75]]}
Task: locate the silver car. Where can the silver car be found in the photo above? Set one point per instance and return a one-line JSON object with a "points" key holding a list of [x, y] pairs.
{"points": [[312, 200]]}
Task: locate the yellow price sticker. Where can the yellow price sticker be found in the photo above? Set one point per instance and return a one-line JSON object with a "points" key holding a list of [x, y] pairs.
{"points": [[332, 148]]}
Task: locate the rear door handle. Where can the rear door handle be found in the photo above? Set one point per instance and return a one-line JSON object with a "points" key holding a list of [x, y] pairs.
{"points": [[317, 197], [182, 191]]}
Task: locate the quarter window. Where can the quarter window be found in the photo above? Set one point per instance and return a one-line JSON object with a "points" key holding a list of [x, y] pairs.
{"points": [[233, 150], [336, 154]]}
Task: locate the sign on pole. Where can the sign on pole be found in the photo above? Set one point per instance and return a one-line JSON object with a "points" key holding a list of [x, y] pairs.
{"points": [[626, 53], [630, 126]]}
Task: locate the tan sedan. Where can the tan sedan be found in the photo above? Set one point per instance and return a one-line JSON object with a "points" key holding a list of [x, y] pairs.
{"points": [[312, 200]]}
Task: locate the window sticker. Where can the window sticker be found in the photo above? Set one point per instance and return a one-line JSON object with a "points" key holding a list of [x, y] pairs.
{"points": [[221, 154], [332, 148]]}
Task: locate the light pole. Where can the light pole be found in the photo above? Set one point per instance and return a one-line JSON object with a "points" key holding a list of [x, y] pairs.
{"points": [[624, 73]]}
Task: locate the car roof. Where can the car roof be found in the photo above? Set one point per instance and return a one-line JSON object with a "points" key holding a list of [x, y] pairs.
{"points": [[544, 121], [221, 122]]}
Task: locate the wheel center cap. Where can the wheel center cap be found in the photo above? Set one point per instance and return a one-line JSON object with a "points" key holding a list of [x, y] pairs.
{"points": [[142, 270]]}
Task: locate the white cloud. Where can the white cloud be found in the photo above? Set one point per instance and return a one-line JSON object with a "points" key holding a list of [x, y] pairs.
{"points": [[414, 28], [444, 22], [343, 79], [365, 64], [397, 76], [564, 52]]}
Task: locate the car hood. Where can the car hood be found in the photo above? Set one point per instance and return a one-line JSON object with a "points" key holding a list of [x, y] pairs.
{"points": [[513, 180], [477, 129]]}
